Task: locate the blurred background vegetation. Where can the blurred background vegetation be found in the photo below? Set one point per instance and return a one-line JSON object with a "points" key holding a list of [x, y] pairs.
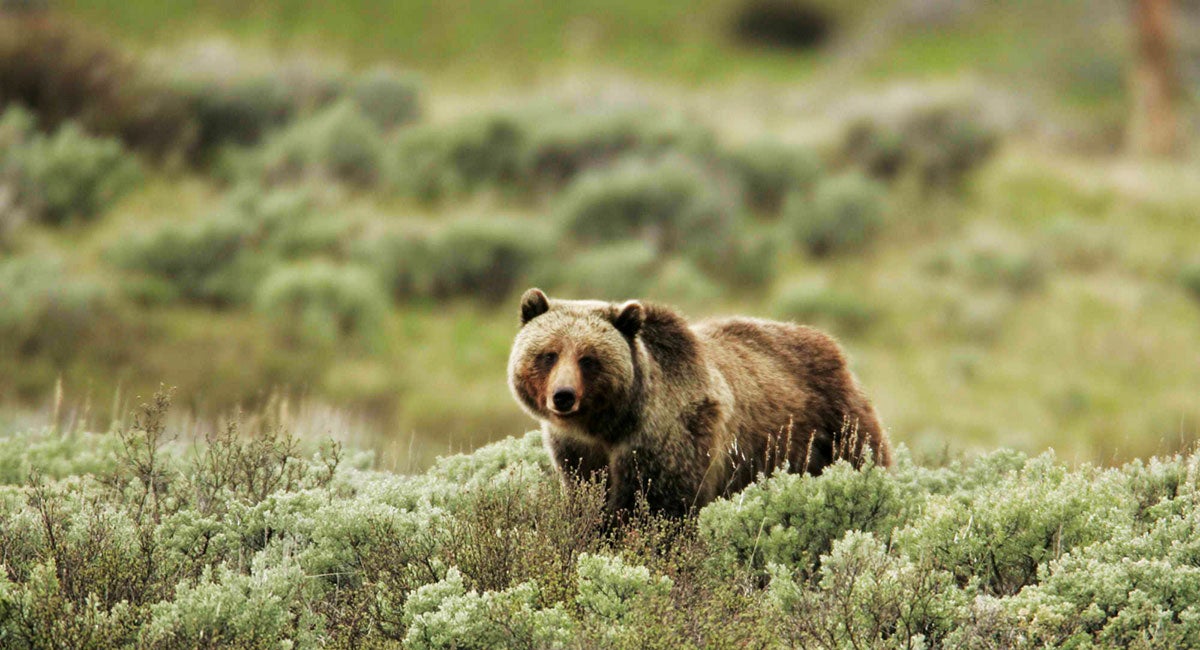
{"points": [[326, 209]]}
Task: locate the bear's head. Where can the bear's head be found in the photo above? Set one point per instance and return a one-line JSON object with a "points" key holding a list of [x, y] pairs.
{"points": [[574, 361]]}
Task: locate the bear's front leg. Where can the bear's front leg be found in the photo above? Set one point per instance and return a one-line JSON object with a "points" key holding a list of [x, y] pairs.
{"points": [[577, 459], [635, 473]]}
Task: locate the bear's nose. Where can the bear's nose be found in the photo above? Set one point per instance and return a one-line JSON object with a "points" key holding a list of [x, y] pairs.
{"points": [[564, 399]]}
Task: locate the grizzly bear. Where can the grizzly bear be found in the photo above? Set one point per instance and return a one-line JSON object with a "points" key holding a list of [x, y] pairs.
{"points": [[633, 395]]}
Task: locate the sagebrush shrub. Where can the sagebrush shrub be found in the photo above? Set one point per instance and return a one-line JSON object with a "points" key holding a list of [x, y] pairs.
{"points": [[866, 596], [844, 214], [388, 98], [793, 519], [559, 150], [768, 171], [679, 280], [445, 615], [483, 257], [1190, 279], [203, 261], [66, 175], [234, 610], [609, 588], [238, 98], [434, 163], [339, 143], [251, 538], [617, 271], [999, 539], [939, 145], [221, 259], [672, 204], [238, 111], [402, 256], [322, 304], [992, 260], [845, 313]]}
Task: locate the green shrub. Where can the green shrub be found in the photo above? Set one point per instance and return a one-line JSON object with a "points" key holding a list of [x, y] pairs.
{"points": [[561, 149], [434, 163], [445, 615], [769, 171], [670, 203], [845, 313], [221, 259], [203, 261], [618, 271], [402, 256], [16, 127], [793, 519], [844, 214], [484, 257], [609, 589], [252, 538], [389, 99], [229, 609], [238, 111], [238, 98], [678, 280], [534, 150], [322, 304], [1000, 538], [938, 144], [866, 596], [339, 143], [67, 175]]}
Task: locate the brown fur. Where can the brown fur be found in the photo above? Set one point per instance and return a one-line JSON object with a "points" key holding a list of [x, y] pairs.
{"points": [[681, 413]]}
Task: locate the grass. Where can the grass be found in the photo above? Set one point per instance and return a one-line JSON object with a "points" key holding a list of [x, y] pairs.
{"points": [[1089, 363], [1092, 358]]}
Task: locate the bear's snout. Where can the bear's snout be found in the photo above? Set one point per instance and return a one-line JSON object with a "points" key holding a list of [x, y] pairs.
{"points": [[565, 383], [564, 399]]}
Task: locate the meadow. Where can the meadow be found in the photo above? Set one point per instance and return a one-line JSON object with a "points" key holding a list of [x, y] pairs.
{"points": [[313, 220], [212, 207]]}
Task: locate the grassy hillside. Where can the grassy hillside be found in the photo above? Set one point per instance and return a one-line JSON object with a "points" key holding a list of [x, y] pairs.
{"points": [[140, 538], [275, 220]]}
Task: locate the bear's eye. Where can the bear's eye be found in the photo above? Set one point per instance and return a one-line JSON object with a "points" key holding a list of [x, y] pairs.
{"points": [[589, 364], [547, 359]]}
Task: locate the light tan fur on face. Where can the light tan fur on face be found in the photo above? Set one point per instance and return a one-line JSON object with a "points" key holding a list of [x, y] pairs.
{"points": [[565, 376], [571, 330]]}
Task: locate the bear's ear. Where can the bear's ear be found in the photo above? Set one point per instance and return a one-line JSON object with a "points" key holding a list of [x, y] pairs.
{"points": [[533, 304], [629, 318]]}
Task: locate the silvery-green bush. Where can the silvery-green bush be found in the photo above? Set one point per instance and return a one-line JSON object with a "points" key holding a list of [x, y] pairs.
{"points": [[63, 176], [672, 204], [388, 98], [445, 615], [321, 304], [793, 519], [843, 214], [254, 539], [768, 171], [221, 258], [339, 143]]}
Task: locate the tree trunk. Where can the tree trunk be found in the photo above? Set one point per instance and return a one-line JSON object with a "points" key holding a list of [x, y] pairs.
{"points": [[1154, 124]]}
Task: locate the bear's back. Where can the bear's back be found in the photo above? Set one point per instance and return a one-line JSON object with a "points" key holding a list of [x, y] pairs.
{"points": [[788, 375]]}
